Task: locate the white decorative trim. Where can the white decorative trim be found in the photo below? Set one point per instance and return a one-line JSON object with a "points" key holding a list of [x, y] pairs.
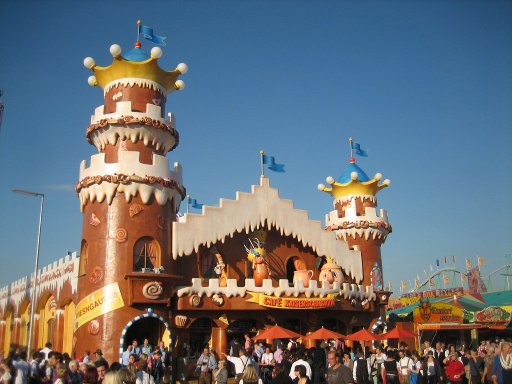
{"points": [[368, 225], [261, 208], [347, 291], [124, 108], [50, 278], [129, 164], [131, 81], [159, 138]]}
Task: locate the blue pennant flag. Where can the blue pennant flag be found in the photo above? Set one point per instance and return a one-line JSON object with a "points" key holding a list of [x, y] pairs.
{"points": [[272, 165], [147, 33], [358, 150], [194, 204]]}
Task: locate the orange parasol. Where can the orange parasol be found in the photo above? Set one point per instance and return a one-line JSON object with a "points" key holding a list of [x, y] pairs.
{"points": [[324, 334], [363, 335], [398, 333], [276, 332]]}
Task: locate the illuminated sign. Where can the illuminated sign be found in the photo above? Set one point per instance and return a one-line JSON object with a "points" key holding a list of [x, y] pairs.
{"points": [[493, 315]]}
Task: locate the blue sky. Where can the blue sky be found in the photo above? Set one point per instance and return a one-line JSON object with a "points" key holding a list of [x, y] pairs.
{"points": [[425, 86]]}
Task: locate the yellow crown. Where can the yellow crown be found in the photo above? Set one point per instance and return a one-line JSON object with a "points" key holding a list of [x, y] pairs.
{"points": [[354, 186], [135, 64]]}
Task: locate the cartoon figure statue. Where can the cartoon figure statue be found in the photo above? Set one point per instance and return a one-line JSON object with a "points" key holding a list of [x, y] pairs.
{"points": [[331, 272], [256, 254], [376, 277], [220, 269]]}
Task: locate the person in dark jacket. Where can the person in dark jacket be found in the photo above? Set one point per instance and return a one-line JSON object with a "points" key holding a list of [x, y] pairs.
{"points": [[280, 375], [432, 371]]}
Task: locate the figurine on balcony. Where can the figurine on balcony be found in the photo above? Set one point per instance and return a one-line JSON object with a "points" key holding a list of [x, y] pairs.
{"points": [[256, 255], [331, 272], [301, 273], [376, 278], [220, 269]]}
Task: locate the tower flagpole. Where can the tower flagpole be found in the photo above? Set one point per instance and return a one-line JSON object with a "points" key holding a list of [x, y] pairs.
{"points": [[138, 30], [351, 149], [262, 152]]}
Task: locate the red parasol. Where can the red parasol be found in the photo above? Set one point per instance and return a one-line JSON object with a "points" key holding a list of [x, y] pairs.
{"points": [[324, 334], [276, 332], [398, 333], [363, 335]]}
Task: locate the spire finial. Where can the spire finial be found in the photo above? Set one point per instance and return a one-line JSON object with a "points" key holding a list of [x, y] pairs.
{"points": [[137, 42]]}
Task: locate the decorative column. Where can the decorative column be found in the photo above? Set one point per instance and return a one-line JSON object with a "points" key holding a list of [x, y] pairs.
{"points": [[58, 333], [2, 333], [16, 329], [219, 340], [35, 333]]}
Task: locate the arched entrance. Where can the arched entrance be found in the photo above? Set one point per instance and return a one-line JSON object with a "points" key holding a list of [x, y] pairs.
{"points": [[149, 326], [200, 334], [47, 321]]}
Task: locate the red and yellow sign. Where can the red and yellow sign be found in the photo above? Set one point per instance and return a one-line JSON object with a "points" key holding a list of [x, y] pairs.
{"points": [[493, 315], [98, 303], [292, 302], [428, 312]]}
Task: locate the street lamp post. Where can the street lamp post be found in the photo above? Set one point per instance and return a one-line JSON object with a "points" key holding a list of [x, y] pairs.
{"points": [[36, 265]]}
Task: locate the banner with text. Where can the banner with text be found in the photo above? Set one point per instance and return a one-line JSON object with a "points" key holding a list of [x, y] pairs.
{"points": [[98, 303], [292, 302]]}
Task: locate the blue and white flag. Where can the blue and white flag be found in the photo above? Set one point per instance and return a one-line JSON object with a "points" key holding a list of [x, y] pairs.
{"points": [[194, 204], [147, 33], [358, 150], [272, 165]]}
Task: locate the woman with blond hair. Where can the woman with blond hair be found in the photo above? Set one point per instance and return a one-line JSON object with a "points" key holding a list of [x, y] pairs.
{"points": [[250, 376], [502, 370]]}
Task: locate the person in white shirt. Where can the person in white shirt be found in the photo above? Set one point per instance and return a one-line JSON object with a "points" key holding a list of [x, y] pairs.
{"points": [[405, 364], [239, 362], [268, 357], [300, 361]]}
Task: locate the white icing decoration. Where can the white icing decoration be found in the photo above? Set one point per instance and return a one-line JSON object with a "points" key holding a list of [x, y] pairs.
{"points": [[50, 279], [124, 108], [161, 138], [375, 229], [129, 164], [261, 207], [131, 81], [347, 291]]}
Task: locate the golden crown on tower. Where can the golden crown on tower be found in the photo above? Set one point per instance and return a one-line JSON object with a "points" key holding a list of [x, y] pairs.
{"points": [[358, 183], [136, 64]]}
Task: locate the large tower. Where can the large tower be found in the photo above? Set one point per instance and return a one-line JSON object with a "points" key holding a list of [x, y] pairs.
{"points": [[355, 218], [129, 198]]}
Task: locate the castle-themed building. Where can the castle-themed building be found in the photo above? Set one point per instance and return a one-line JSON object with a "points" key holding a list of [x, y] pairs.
{"points": [[237, 267]]}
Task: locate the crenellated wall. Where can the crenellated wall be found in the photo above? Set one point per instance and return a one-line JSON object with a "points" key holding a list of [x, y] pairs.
{"points": [[103, 180], [54, 279]]}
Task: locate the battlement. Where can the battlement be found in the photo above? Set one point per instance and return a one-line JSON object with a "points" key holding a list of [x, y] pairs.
{"points": [[103, 180], [129, 164], [124, 108], [50, 278], [370, 214], [347, 291]]}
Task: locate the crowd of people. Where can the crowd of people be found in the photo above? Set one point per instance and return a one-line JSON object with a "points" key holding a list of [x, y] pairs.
{"points": [[330, 362], [140, 364]]}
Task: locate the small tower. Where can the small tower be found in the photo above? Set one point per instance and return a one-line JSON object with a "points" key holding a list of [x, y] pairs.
{"points": [[355, 219], [129, 198]]}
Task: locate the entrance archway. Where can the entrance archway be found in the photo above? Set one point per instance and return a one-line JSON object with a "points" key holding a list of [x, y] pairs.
{"points": [[148, 325]]}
